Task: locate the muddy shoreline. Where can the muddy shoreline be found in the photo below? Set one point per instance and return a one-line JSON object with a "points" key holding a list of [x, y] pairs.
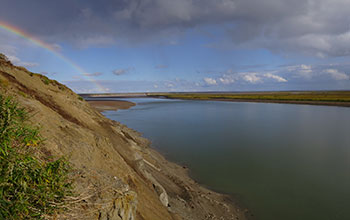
{"points": [[192, 199], [113, 105]]}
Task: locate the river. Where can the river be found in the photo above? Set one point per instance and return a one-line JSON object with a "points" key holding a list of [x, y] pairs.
{"points": [[282, 161]]}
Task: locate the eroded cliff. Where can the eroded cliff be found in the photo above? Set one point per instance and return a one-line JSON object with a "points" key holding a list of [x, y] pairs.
{"points": [[116, 174]]}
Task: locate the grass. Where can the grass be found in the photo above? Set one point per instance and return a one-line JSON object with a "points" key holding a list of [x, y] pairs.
{"points": [[46, 80], [30, 188], [324, 96], [80, 98]]}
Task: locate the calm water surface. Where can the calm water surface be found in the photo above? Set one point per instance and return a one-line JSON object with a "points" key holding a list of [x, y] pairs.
{"points": [[281, 161]]}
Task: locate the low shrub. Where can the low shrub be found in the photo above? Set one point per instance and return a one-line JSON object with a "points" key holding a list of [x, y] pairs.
{"points": [[30, 188]]}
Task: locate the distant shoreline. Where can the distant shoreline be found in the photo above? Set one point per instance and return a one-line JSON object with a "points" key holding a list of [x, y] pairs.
{"points": [[110, 105], [325, 98], [321, 103], [114, 105]]}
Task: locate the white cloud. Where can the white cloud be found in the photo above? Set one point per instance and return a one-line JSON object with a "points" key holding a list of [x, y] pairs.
{"points": [[226, 79], [302, 70], [251, 77], [170, 85], [15, 60], [48, 73], [28, 64], [275, 77], [210, 81], [335, 74], [305, 71], [7, 49], [236, 77], [94, 90]]}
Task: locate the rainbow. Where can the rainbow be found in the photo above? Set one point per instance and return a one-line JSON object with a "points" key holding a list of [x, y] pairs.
{"points": [[15, 30]]}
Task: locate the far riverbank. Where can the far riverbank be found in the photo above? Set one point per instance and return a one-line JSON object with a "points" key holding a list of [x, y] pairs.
{"points": [[339, 104], [327, 98]]}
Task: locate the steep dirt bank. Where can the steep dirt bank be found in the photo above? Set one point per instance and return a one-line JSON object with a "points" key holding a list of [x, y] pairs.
{"points": [[117, 175]]}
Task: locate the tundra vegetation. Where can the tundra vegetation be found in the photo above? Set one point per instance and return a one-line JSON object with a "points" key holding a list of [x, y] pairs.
{"points": [[311, 96], [32, 186]]}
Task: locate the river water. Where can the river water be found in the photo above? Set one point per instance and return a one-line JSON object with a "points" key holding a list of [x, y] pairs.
{"points": [[282, 161]]}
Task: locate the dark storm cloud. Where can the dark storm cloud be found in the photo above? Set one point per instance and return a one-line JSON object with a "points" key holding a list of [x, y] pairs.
{"points": [[318, 27]]}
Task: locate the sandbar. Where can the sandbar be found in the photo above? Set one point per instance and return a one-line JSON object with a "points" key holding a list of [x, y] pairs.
{"points": [[111, 105]]}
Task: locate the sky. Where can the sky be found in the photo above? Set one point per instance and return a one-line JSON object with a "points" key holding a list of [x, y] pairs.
{"points": [[181, 45]]}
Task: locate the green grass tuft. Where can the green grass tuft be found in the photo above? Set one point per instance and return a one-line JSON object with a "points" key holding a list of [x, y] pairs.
{"points": [[46, 80], [30, 188]]}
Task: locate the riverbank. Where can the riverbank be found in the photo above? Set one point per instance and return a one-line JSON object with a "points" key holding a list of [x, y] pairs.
{"points": [[339, 104], [172, 181], [114, 105], [214, 140], [186, 197], [327, 98]]}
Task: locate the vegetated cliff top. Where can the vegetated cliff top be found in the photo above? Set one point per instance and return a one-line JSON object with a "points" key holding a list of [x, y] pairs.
{"points": [[116, 175]]}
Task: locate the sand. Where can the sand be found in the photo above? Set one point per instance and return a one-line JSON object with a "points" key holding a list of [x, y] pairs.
{"points": [[114, 105]]}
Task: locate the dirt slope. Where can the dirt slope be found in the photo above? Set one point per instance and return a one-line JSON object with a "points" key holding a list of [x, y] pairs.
{"points": [[117, 175]]}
